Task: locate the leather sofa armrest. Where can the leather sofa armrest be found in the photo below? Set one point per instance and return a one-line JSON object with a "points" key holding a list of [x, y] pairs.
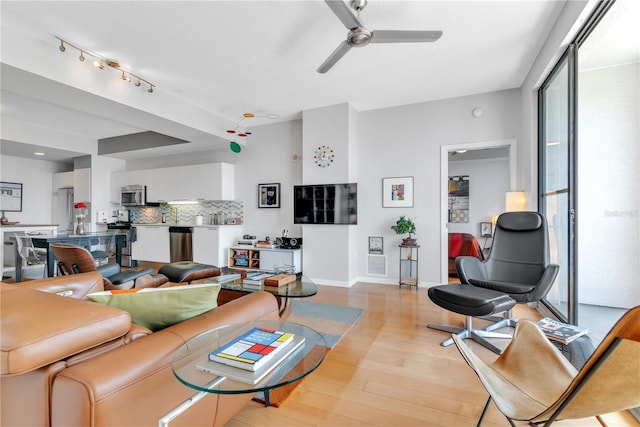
{"points": [[135, 385], [76, 286], [39, 328]]}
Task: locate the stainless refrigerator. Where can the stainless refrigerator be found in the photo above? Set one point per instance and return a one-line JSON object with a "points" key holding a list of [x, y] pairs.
{"points": [[64, 212]]}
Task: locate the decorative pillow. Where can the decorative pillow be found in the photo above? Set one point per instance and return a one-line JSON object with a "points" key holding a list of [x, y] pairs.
{"points": [[157, 308]]}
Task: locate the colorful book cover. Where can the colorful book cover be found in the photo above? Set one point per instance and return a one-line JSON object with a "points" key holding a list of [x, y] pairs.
{"points": [[253, 349]]}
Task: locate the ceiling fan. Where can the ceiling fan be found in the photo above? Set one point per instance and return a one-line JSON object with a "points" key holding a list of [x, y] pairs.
{"points": [[359, 36]]}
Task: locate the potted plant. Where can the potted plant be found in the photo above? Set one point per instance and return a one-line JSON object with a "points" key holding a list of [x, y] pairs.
{"points": [[404, 225]]}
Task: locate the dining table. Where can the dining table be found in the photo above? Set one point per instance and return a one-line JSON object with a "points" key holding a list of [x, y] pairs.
{"points": [[86, 240]]}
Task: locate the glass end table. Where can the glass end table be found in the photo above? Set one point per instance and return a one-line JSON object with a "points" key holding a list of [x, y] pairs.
{"points": [[191, 362]]}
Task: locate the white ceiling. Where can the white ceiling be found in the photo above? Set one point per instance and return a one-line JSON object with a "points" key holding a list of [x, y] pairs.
{"points": [[224, 58]]}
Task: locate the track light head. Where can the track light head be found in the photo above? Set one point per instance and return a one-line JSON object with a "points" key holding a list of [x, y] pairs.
{"points": [[100, 61]]}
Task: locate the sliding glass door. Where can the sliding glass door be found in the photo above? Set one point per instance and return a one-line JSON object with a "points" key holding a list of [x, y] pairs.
{"points": [[589, 180], [556, 166]]}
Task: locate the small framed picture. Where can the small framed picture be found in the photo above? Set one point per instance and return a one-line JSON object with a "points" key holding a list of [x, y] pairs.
{"points": [[269, 195], [375, 245], [397, 192], [485, 229]]}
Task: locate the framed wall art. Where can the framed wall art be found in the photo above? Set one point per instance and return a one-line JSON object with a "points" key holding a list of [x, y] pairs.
{"points": [[375, 245], [485, 229], [459, 198], [269, 195], [10, 196], [397, 192]]}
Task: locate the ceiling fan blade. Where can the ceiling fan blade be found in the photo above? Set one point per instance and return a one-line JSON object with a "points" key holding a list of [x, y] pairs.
{"points": [[344, 14], [334, 57], [404, 36]]}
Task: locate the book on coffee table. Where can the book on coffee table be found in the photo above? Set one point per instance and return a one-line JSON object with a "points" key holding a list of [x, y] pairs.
{"points": [[280, 280], [257, 279], [253, 349], [251, 377]]}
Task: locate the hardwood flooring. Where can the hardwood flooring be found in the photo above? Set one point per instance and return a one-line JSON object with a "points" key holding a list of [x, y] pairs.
{"points": [[390, 370]]}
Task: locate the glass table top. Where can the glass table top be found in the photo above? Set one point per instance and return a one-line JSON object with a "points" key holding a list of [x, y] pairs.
{"points": [[192, 367], [303, 287]]}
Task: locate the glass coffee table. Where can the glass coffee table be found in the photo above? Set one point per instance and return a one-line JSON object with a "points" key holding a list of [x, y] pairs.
{"points": [[303, 287], [192, 367]]}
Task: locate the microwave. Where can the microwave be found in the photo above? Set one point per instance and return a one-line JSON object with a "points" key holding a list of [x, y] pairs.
{"points": [[133, 195]]}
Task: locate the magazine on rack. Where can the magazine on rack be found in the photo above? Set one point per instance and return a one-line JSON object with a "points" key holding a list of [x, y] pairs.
{"points": [[559, 331]]}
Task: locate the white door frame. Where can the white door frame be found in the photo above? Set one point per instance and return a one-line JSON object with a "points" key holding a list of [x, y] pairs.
{"points": [[444, 188]]}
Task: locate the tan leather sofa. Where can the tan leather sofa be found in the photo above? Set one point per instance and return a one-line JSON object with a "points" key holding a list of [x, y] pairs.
{"points": [[66, 361]]}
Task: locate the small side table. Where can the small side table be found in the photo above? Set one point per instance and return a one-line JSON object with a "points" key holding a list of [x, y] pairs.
{"points": [[409, 265]]}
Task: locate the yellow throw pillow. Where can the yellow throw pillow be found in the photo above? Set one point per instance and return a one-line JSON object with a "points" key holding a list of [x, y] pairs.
{"points": [[157, 308]]}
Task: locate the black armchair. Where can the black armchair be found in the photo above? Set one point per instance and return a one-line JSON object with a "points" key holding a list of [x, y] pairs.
{"points": [[518, 264]]}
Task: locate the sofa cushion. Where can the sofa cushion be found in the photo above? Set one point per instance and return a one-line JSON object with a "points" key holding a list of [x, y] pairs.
{"points": [[38, 328], [157, 308]]}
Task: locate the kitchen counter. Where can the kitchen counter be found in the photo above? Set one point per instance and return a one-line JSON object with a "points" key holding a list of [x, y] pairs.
{"points": [[160, 224], [18, 225]]}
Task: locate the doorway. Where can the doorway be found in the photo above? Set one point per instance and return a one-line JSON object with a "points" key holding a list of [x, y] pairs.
{"points": [[445, 150]]}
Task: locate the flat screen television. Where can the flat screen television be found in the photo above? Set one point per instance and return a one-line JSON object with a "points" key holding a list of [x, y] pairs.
{"points": [[325, 204]]}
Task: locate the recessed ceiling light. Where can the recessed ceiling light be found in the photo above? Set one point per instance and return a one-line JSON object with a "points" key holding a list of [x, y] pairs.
{"points": [[38, 153], [461, 151]]}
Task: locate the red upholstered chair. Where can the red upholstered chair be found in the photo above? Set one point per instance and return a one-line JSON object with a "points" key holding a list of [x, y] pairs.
{"points": [[462, 244]]}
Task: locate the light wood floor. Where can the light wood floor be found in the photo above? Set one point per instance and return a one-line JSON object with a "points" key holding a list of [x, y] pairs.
{"points": [[390, 370]]}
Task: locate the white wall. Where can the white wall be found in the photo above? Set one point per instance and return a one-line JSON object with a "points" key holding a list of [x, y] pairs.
{"points": [[36, 177], [406, 141]]}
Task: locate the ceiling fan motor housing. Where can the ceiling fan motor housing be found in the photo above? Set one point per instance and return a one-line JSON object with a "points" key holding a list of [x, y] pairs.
{"points": [[359, 37]]}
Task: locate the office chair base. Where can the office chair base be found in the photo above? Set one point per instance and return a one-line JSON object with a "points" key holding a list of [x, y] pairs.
{"points": [[507, 322], [468, 332]]}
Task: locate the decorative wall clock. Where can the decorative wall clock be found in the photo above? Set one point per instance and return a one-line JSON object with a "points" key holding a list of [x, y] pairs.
{"points": [[323, 156]]}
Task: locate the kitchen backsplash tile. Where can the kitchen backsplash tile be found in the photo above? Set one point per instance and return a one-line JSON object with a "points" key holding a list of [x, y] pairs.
{"points": [[186, 214]]}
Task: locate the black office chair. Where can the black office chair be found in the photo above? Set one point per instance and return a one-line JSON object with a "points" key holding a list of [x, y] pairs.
{"points": [[518, 263]]}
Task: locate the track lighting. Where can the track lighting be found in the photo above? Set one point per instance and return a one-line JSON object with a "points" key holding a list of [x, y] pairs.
{"points": [[101, 60]]}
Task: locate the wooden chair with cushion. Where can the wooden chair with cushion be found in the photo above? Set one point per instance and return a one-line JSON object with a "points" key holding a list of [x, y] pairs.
{"points": [[532, 381]]}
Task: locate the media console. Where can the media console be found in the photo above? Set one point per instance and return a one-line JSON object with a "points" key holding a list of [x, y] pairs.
{"points": [[250, 258]]}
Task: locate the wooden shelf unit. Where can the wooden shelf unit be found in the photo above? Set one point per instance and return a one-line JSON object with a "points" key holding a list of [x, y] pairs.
{"points": [[264, 259]]}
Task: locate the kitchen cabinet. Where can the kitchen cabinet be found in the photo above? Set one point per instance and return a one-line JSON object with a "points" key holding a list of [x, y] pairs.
{"points": [[210, 244], [180, 184], [82, 185], [213, 181], [216, 181], [62, 180], [152, 243]]}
